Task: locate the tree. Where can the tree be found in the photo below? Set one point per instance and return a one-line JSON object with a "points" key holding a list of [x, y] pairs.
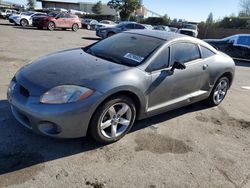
{"points": [[31, 4], [209, 22], [125, 7], [97, 8], [210, 19], [245, 7]]}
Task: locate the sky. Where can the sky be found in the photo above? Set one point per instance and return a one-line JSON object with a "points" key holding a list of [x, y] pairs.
{"points": [[191, 10]]}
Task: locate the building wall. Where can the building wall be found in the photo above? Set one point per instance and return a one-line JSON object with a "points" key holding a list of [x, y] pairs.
{"points": [[86, 7], [74, 6]]}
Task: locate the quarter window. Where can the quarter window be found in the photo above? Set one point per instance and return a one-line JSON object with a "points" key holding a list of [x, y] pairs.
{"points": [[137, 26], [184, 52], [206, 53], [161, 61]]}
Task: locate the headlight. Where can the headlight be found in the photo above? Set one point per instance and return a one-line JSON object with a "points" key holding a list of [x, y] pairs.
{"points": [[65, 94]]}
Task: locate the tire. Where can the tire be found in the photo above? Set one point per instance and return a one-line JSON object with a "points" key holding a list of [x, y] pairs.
{"points": [[106, 126], [51, 26], [219, 92], [110, 34], [24, 22], [75, 27]]}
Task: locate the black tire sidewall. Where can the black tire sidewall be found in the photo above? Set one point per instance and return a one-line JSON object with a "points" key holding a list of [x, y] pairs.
{"points": [[94, 125], [211, 97], [110, 34]]}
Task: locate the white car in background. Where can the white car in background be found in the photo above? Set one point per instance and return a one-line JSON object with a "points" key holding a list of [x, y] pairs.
{"points": [[105, 23], [5, 13], [189, 29], [25, 19]]}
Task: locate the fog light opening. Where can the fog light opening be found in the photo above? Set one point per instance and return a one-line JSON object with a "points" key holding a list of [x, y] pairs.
{"points": [[49, 128]]}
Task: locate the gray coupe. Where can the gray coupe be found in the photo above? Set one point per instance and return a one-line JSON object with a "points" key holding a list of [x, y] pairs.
{"points": [[103, 88]]}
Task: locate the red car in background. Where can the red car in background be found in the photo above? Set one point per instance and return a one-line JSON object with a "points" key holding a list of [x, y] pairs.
{"points": [[57, 20]]}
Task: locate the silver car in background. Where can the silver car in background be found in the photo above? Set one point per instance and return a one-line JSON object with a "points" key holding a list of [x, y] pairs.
{"points": [[121, 27], [103, 88]]}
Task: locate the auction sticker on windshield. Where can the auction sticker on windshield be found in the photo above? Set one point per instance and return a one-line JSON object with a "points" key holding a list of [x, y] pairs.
{"points": [[134, 57]]}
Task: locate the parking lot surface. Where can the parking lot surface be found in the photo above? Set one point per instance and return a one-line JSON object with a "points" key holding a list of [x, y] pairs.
{"points": [[195, 146]]}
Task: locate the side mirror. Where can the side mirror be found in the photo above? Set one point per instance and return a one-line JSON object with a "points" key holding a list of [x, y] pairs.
{"points": [[178, 65]]}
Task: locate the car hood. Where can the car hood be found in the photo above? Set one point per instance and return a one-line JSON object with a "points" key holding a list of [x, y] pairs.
{"points": [[70, 67]]}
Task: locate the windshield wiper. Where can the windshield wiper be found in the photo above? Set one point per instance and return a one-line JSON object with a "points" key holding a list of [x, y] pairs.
{"points": [[90, 51], [108, 58]]}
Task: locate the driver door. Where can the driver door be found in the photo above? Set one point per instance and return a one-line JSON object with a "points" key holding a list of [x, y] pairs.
{"points": [[60, 20], [172, 89]]}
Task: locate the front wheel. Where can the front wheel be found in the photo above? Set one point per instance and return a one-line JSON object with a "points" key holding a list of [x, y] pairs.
{"points": [[51, 26], [24, 23], [219, 91], [113, 120]]}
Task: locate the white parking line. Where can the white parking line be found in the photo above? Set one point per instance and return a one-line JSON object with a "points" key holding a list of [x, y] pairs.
{"points": [[245, 87]]}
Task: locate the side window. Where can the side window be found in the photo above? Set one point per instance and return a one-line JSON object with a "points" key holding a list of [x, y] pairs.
{"points": [[63, 15], [206, 53], [244, 40], [129, 26], [137, 26], [67, 16], [161, 61], [184, 52]]}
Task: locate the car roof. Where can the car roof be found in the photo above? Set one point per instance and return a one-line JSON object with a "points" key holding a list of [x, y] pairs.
{"points": [[158, 34], [170, 36]]}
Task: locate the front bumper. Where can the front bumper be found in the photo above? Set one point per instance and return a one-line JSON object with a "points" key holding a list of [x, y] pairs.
{"points": [[59, 121]]}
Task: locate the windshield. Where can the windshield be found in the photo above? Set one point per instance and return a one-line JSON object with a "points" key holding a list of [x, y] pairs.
{"points": [[53, 14], [125, 48], [190, 26], [28, 13]]}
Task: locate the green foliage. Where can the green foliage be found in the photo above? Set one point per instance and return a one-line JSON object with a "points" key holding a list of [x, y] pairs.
{"points": [[97, 8], [125, 7], [157, 20], [235, 22], [31, 4]]}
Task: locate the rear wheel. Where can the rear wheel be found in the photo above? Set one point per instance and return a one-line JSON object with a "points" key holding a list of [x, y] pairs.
{"points": [[113, 120], [24, 22], [219, 91], [110, 34], [51, 26], [75, 27]]}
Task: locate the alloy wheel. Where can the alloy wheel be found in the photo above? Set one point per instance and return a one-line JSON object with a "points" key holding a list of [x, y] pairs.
{"points": [[115, 120], [220, 91]]}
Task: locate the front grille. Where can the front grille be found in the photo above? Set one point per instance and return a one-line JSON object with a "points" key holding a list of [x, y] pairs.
{"points": [[24, 91]]}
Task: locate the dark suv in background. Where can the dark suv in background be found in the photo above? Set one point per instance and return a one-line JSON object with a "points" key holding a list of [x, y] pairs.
{"points": [[57, 20], [123, 26]]}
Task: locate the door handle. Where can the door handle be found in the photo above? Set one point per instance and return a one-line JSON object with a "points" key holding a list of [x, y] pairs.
{"points": [[205, 66]]}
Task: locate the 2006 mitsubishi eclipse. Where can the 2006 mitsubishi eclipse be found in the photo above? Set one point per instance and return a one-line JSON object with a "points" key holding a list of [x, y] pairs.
{"points": [[103, 88]]}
